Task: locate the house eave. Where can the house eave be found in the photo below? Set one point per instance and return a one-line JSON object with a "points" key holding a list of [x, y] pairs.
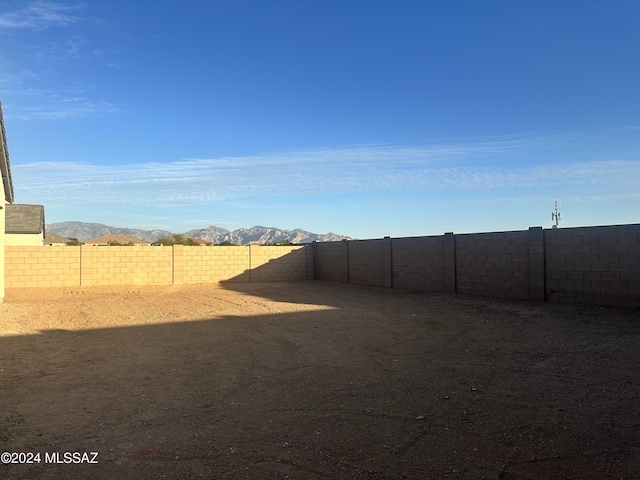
{"points": [[5, 166]]}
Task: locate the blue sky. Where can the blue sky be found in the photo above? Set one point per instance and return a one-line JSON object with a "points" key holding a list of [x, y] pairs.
{"points": [[366, 119]]}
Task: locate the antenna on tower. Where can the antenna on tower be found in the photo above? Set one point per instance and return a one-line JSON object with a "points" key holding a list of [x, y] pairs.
{"points": [[556, 216]]}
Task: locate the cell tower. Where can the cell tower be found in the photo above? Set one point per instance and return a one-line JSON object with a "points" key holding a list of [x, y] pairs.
{"points": [[556, 216]]}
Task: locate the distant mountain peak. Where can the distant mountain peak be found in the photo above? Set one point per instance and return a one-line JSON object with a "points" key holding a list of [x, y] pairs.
{"points": [[260, 234], [84, 231]]}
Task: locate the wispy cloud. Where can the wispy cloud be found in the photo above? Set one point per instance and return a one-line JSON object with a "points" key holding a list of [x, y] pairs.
{"points": [[33, 80], [62, 108], [74, 47], [39, 15], [311, 172], [33, 103]]}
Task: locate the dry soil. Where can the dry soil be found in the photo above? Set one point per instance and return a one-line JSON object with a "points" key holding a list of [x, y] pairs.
{"points": [[312, 381]]}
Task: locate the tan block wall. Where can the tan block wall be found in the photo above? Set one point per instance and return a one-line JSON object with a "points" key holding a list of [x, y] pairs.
{"points": [[590, 264], [593, 264], [334, 266], [370, 262], [33, 266], [493, 264], [135, 265], [90, 265], [598, 265], [210, 264], [280, 263], [418, 263]]}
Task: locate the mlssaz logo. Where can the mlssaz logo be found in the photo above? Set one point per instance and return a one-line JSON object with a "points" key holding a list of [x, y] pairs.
{"points": [[71, 457]]}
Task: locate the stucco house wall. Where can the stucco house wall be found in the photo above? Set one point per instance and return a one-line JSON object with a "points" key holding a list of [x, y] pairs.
{"points": [[2, 210], [6, 197], [22, 239]]}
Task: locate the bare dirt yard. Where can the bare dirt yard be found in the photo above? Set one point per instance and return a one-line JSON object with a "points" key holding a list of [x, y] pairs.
{"points": [[313, 381]]}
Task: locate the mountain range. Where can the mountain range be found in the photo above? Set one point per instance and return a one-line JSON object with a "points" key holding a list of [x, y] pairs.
{"points": [[242, 236]]}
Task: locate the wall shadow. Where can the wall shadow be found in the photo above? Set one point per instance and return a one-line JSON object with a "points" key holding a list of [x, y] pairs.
{"points": [[362, 385]]}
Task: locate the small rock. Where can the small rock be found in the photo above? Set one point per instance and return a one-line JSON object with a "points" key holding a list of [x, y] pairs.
{"points": [[474, 389], [420, 417], [446, 397]]}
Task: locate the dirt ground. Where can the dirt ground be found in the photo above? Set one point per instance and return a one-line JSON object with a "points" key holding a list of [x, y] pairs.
{"points": [[313, 381]]}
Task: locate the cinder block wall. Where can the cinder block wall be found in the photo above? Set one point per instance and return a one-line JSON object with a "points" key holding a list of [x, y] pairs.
{"points": [[370, 262], [598, 265], [90, 265], [419, 263], [593, 264], [210, 264], [268, 264], [493, 264], [135, 265], [37, 266], [589, 264], [334, 266]]}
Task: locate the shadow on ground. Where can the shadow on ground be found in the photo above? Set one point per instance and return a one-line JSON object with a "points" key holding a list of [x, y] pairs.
{"points": [[324, 381]]}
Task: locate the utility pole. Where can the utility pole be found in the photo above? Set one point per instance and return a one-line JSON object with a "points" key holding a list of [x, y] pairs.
{"points": [[556, 216]]}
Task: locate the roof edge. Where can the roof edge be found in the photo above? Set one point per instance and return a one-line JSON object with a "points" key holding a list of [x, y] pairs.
{"points": [[5, 166]]}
